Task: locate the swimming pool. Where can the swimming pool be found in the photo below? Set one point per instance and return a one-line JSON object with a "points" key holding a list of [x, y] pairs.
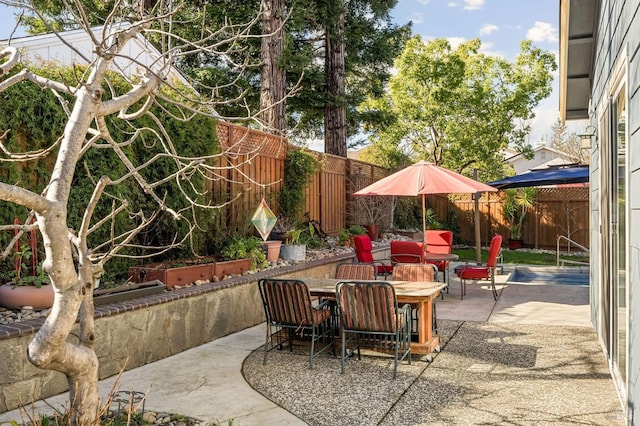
{"points": [[549, 275]]}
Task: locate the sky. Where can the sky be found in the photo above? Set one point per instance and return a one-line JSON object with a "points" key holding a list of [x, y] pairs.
{"points": [[500, 24]]}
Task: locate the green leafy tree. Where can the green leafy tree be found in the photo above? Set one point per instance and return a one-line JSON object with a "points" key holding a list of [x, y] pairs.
{"points": [[333, 87], [458, 107]]}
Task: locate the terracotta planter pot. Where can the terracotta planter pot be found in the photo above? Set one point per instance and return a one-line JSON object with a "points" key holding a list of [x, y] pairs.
{"points": [[18, 297], [273, 250]]}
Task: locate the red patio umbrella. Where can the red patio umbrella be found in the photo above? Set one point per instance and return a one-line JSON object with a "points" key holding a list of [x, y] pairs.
{"points": [[424, 178]]}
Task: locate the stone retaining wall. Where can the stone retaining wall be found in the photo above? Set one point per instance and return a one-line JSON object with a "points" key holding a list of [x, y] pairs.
{"points": [[134, 333]]}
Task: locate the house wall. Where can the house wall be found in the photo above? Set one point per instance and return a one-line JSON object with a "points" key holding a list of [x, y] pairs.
{"points": [[541, 155], [617, 53]]}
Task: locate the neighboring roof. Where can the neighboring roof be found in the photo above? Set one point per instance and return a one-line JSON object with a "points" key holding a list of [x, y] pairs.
{"points": [[555, 162], [578, 30], [537, 148], [549, 176], [49, 47]]}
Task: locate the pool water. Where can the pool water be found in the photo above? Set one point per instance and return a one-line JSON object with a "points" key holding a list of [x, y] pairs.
{"points": [[546, 275]]}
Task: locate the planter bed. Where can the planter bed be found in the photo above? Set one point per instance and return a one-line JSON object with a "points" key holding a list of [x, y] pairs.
{"points": [[189, 271], [149, 328], [127, 292]]}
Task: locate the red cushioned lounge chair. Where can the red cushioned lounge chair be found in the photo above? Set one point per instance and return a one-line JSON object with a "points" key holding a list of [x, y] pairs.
{"points": [[363, 246], [482, 272]]}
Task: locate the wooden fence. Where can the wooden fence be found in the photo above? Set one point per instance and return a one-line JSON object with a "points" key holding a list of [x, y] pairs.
{"points": [[253, 167], [557, 211]]}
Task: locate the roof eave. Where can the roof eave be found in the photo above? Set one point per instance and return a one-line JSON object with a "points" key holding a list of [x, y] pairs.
{"points": [[577, 55]]}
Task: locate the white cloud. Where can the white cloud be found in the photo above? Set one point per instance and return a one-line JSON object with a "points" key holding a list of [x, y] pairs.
{"points": [[487, 48], [417, 18], [473, 4], [424, 1], [452, 4], [542, 31], [456, 41], [488, 29]]}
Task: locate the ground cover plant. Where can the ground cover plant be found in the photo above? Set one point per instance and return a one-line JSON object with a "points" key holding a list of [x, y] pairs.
{"points": [[522, 257]]}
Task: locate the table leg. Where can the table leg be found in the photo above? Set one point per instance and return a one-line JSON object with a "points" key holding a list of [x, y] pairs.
{"points": [[427, 341]]}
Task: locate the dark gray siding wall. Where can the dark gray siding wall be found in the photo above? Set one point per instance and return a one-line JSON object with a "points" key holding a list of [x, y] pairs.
{"points": [[619, 35]]}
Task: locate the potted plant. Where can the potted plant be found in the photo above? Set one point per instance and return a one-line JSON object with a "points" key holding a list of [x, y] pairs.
{"points": [[344, 237], [374, 212], [515, 208], [293, 248], [27, 284], [236, 257], [242, 248]]}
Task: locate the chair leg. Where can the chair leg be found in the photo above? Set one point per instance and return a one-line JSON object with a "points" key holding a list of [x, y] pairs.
{"points": [[266, 345], [313, 341], [493, 288], [434, 319], [395, 356], [447, 274], [344, 351]]}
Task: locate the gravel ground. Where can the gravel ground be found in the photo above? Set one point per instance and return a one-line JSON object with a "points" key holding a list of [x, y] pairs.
{"points": [[486, 374]]}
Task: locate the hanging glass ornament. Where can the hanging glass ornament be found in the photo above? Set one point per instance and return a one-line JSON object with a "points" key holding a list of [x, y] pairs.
{"points": [[263, 219]]}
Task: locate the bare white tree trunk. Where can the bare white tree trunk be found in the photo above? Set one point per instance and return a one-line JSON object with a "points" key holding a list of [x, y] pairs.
{"points": [[70, 263]]}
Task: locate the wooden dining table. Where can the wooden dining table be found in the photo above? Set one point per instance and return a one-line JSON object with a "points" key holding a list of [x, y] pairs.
{"points": [[439, 257], [418, 294]]}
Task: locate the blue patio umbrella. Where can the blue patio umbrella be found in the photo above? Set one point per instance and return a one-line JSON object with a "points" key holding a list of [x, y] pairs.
{"points": [[550, 176]]}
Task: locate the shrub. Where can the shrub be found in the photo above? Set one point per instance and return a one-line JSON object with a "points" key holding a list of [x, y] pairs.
{"points": [[242, 248], [299, 169]]}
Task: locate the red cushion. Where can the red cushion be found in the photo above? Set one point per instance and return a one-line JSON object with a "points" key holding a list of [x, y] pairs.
{"points": [[494, 250], [413, 251], [473, 272], [363, 248], [439, 241]]}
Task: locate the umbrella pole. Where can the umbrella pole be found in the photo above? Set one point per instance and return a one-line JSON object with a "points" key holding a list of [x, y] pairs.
{"points": [[424, 222], [476, 214], [476, 219]]}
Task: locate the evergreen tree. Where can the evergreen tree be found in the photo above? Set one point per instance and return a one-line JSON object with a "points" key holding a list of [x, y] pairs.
{"points": [[329, 87]]}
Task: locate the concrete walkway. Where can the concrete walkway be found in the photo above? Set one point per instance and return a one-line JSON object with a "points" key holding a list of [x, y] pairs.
{"points": [[207, 383]]}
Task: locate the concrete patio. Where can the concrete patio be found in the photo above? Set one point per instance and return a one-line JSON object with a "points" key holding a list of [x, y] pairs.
{"points": [[532, 357]]}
